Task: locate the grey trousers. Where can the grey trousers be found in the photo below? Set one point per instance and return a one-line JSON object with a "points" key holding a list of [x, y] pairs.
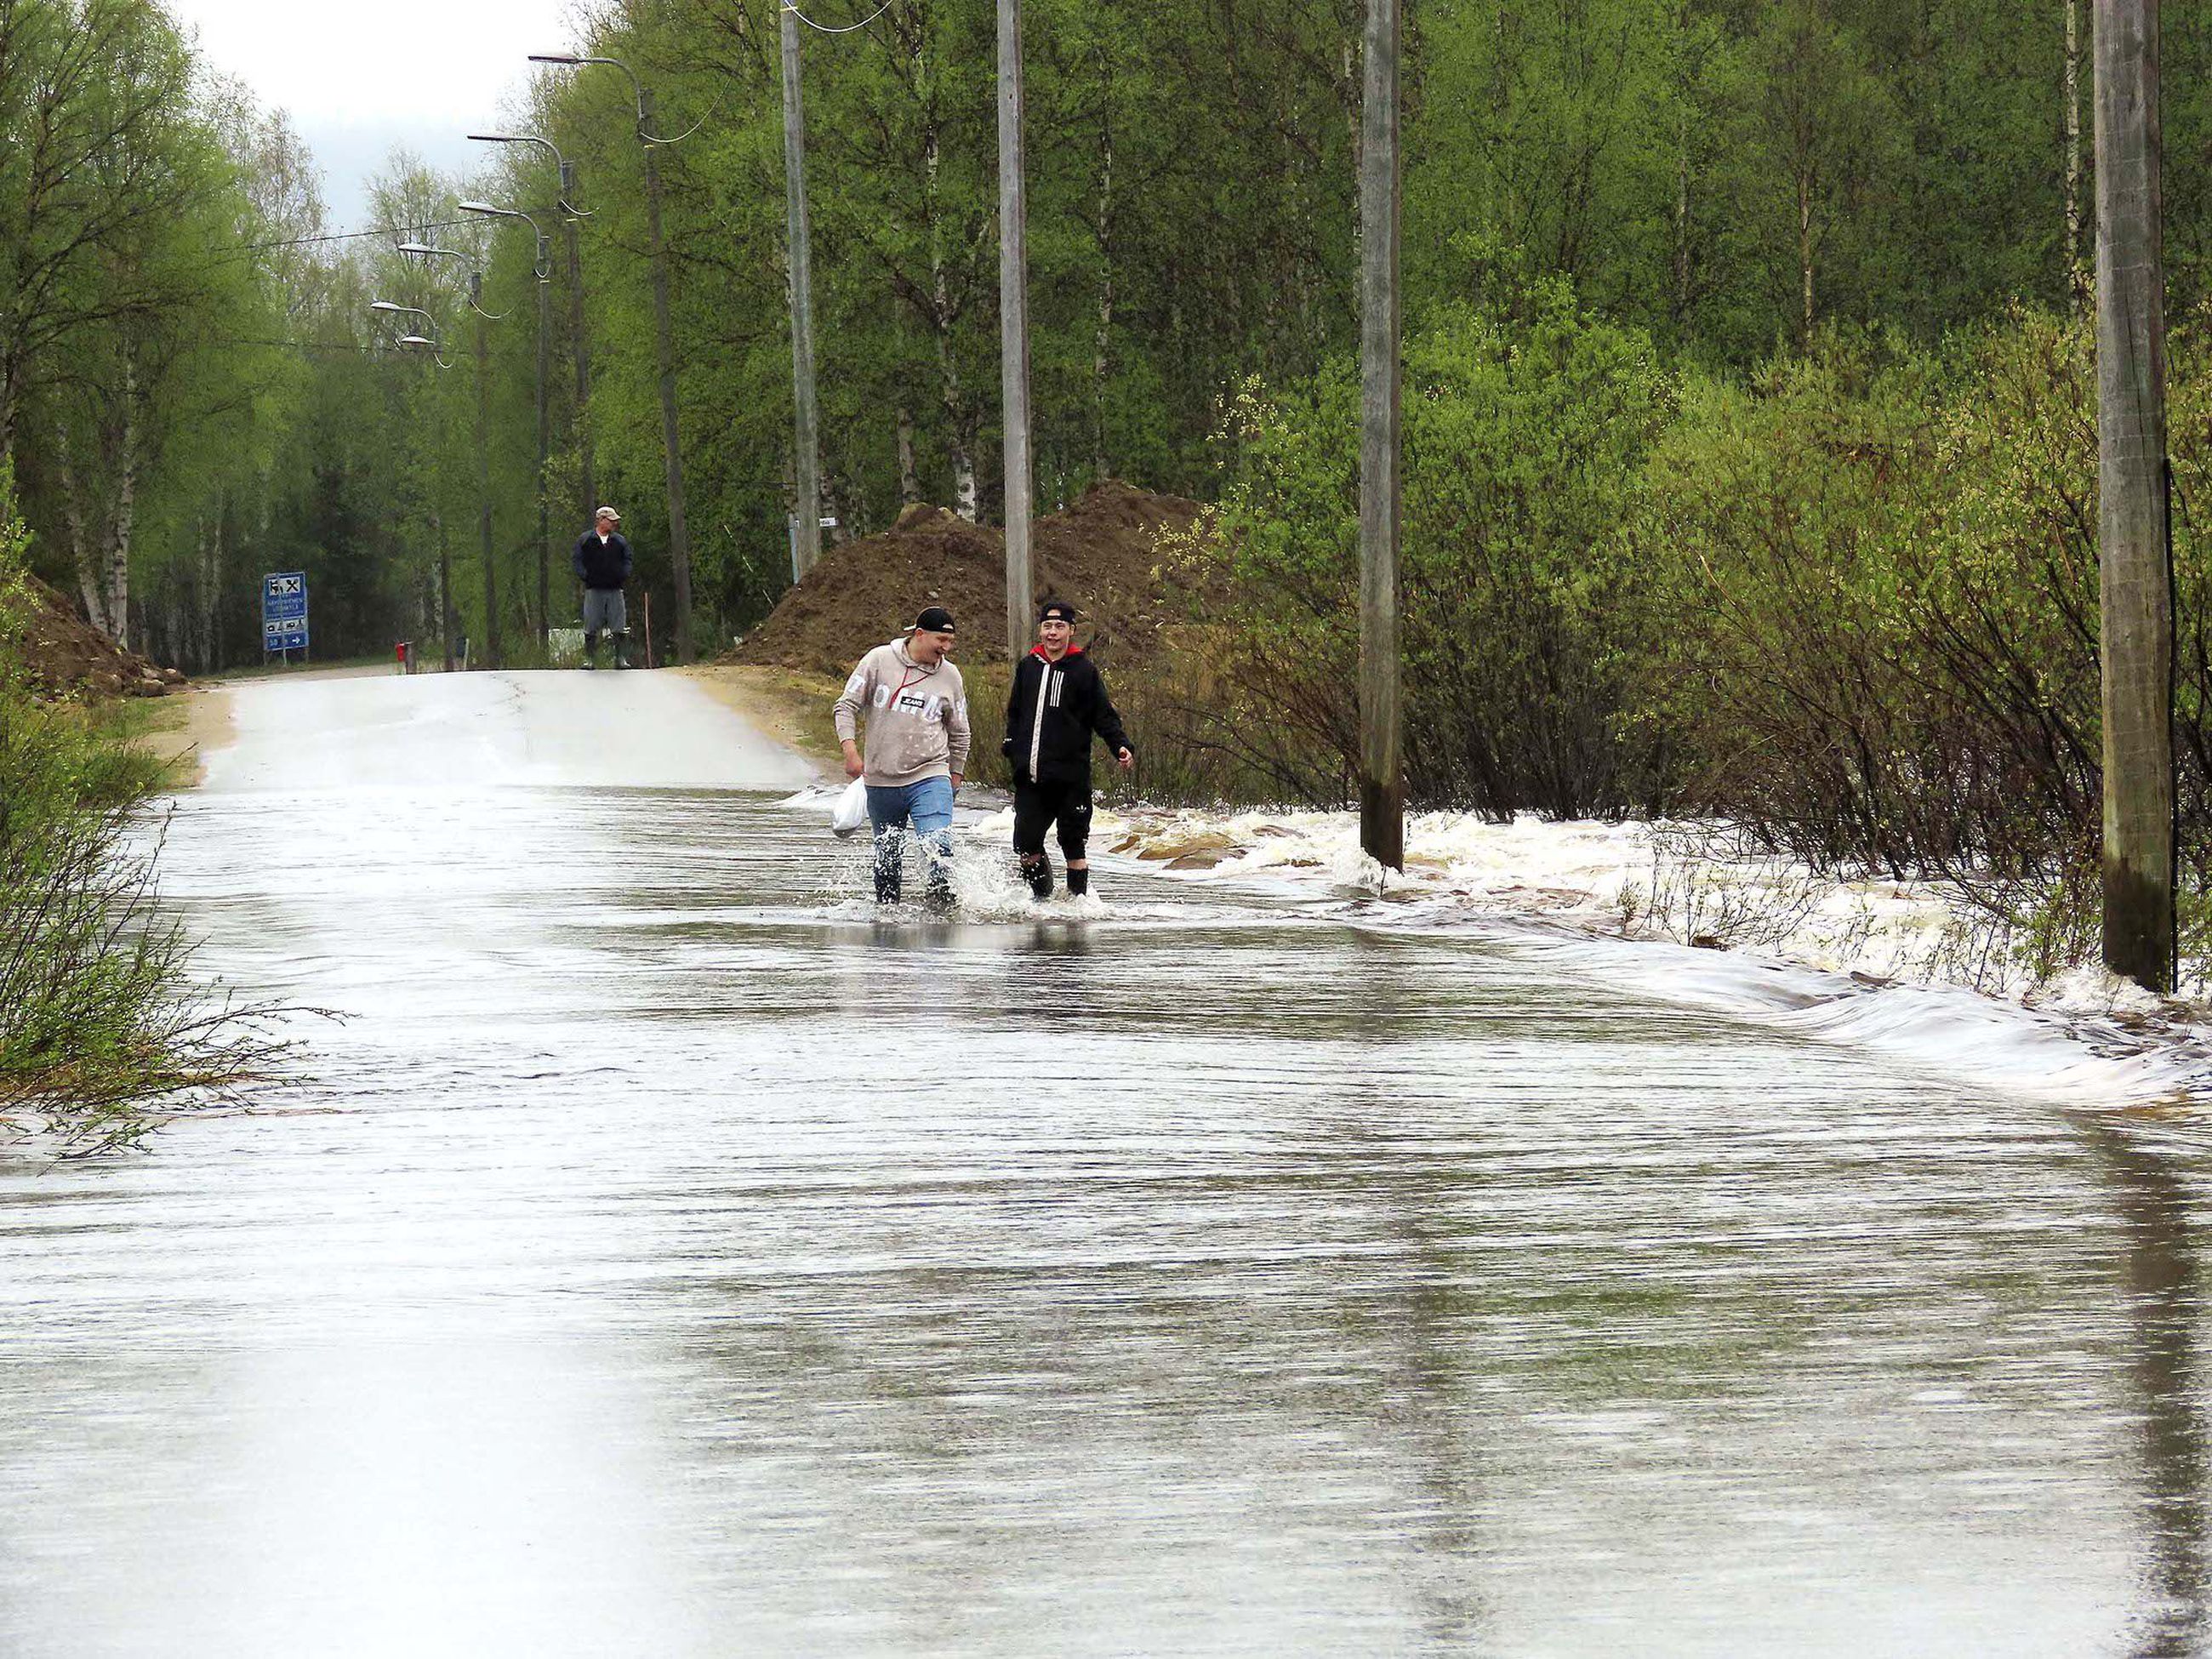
{"points": [[604, 612]]}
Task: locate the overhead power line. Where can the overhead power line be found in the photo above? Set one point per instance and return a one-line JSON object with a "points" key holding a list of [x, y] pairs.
{"points": [[351, 235], [840, 28]]}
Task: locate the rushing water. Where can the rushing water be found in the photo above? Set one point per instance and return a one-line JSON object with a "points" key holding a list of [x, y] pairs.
{"points": [[664, 1257]]}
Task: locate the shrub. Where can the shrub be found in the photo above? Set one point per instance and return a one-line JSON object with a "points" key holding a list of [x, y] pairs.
{"points": [[99, 1017], [1526, 434]]}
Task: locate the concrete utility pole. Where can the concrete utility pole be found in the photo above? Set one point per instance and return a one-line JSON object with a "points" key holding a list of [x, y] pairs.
{"points": [[1014, 327], [679, 538], [806, 439], [1382, 780], [545, 533], [2134, 556], [579, 341], [483, 473]]}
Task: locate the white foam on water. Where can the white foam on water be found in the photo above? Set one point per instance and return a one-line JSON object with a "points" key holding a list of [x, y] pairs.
{"points": [[1866, 963]]}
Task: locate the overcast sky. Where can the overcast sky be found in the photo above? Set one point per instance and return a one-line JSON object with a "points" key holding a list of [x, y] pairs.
{"points": [[359, 77]]}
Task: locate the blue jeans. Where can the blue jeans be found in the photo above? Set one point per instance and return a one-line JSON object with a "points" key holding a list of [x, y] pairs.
{"points": [[924, 809]]}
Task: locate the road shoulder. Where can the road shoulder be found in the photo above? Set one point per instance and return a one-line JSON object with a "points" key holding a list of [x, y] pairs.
{"points": [[789, 704]]}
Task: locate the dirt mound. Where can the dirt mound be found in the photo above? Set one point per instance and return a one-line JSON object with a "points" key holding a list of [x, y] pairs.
{"points": [[63, 653], [1097, 554]]}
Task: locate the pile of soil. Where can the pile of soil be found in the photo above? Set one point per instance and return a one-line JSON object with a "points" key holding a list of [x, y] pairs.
{"points": [[65, 654], [1097, 554]]}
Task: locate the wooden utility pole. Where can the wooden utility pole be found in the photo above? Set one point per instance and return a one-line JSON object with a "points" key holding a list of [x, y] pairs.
{"points": [[483, 473], [1014, 327], [806, 439], [1381, 781], [679, 538], [2134, 558]]}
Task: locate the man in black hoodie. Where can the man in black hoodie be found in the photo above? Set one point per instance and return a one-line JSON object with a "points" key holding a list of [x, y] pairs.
{"points": [[601, 559], [1058, 701]]}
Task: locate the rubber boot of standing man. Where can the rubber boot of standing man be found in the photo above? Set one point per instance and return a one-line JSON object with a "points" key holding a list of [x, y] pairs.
{"points": [[1057, 703], [602, 562], [916, 710]]}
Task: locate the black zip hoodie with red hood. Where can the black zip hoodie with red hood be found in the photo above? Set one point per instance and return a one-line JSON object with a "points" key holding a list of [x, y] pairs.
{"points": [[1052, 713]]}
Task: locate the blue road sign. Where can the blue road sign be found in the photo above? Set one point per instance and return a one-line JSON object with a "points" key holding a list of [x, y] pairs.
{"points": [[284, 610]]}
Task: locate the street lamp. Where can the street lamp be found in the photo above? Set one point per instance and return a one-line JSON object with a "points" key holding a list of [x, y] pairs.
{"points": [[541, 268], [579, 341], [679, 538], [438, 447], [493, 654], [568, 169]]}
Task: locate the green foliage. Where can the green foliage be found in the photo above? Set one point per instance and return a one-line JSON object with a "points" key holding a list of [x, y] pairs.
{"points": [[1526, 435], [99, 1017]]}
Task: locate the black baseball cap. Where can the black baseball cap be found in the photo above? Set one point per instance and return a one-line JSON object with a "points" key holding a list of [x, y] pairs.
{"points": [[1060, 609], [935, 620]]}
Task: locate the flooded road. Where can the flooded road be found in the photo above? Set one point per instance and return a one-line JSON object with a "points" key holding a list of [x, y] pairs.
{"points": [[667, 1258]]}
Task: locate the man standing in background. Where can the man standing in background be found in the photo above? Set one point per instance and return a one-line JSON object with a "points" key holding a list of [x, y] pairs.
{"points": [[917, 714], [1057, 703], [602, 562]]}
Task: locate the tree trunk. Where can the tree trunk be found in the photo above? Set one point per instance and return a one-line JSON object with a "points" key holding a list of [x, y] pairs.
{"points": [[2077, 282], [1682, 222], [2135, 560], [909, 481], [81, 561], [1805, 251], [1100, 356], [208, 590], [948, 367], [126, 501]]}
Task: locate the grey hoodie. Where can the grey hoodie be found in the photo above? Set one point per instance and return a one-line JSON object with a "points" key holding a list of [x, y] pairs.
{"points": [[917, 717]]}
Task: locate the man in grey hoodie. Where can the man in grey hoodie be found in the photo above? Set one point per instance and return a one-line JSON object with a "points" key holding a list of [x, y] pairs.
{"points": [[917, 749]]}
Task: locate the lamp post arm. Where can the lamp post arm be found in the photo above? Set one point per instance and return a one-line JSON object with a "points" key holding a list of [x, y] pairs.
{"points": [[542, 264], [565, 167]]}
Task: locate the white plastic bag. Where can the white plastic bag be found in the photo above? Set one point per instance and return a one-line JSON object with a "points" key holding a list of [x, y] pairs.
{"points": [[851, 811]]}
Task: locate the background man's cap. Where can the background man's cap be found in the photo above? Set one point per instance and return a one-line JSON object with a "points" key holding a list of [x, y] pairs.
{"points": [[935, 620], [607, 513], [1056, 608]]}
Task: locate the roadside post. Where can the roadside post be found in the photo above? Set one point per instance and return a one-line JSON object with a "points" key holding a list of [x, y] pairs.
{"points": [[284, 614], [1383, 778], [2134, 527]]}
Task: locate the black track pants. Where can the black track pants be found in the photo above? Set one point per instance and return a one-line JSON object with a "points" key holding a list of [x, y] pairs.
{"points": [[1038, 805]]}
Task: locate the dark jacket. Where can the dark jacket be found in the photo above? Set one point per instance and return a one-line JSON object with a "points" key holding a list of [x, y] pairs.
{"points": [[598, 565], [1051, 714]]}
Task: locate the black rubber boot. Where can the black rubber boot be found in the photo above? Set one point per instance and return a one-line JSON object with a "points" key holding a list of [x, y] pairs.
{"points": [[590, 650], [1079, 881], [891, 866], [937, 874], [1036, 870], [620, 637]]}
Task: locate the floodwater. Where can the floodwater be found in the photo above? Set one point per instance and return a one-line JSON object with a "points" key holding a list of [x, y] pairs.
{"points": [[664, 1258]]}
